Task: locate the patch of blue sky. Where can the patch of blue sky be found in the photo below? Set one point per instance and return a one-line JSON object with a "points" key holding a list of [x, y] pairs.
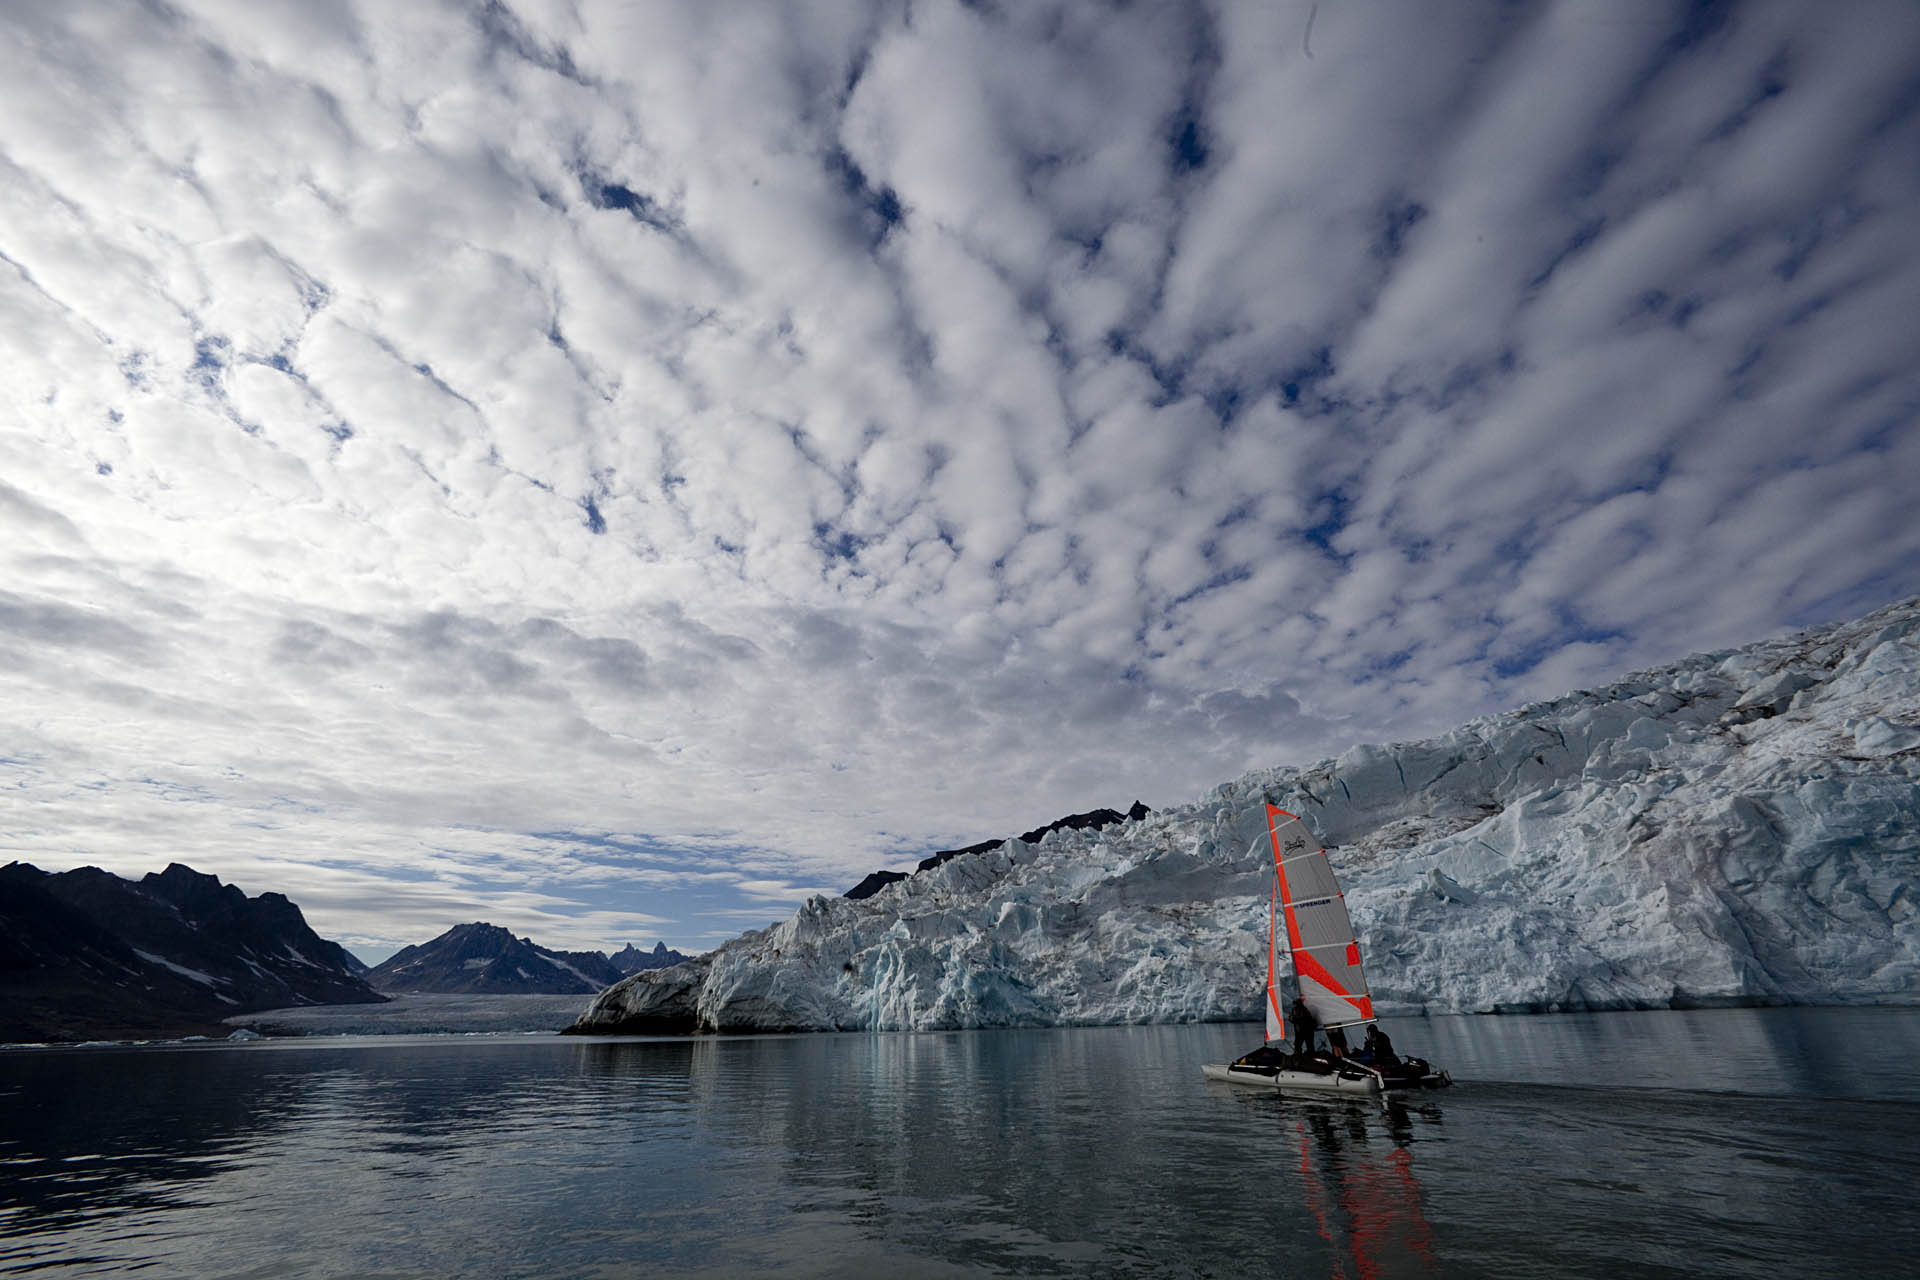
{"points": [[1300, 387], [177, 792], [399, 872], [1332, 505], [877, 209], [1511, 663], [838, 544], [615, 846], [604, 193]]}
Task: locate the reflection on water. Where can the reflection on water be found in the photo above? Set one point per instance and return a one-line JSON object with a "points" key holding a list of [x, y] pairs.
{"points": [[1833, 1053], [1357, 1182], [1095, 1151], [85, 1139]]}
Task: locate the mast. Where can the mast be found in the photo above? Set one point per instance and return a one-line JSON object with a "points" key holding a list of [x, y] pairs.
{"points": [[1276, 1021], [1326, 955]]}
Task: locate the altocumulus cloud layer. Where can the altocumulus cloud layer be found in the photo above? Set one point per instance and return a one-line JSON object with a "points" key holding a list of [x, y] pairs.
{"points": [[613, 469]]}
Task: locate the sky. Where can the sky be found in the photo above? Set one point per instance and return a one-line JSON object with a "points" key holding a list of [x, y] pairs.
{"points": [[614, 470]]}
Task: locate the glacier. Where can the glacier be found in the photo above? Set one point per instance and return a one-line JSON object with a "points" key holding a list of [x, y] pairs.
{"points": [[420, 1014], [1737, 828]]}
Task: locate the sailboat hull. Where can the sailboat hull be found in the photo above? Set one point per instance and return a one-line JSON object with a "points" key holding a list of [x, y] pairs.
{"points": [[1294, 1081], [1354, 1082]]}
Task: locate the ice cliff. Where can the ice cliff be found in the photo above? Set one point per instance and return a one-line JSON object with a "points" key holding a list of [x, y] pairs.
{"points": [[1740, 827]]}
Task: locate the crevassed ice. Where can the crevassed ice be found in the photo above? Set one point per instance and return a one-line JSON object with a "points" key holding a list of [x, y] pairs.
{"points": [[1738, 827]]}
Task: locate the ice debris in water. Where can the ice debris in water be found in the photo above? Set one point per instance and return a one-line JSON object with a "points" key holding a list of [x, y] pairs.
{"points": [[1739, 827]]}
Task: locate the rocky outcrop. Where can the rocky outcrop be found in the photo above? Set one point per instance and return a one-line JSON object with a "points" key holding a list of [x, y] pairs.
{"points": [[1092, 820], [1739, 827], [653, 1002], [86, 954]]}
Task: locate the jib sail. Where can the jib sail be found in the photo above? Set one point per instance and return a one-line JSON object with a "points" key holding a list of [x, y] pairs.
{"points": [[1326, 956]]}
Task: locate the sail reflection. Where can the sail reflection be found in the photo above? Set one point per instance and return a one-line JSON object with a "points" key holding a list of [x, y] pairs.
{"points": [[1359, 1187]]}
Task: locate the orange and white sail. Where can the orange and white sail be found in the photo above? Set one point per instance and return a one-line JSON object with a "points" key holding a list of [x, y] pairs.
{"points": [[1326, 956]]}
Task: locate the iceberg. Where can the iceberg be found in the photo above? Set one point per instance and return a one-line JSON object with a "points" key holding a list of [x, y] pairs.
{"points": [[1736, 828]]}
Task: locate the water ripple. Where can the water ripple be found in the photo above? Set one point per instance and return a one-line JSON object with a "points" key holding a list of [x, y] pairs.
{"points": [[1089, 1152]]}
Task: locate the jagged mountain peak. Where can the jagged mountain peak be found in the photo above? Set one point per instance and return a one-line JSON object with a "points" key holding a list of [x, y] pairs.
{"points": [[486, 958], [630, 959]]}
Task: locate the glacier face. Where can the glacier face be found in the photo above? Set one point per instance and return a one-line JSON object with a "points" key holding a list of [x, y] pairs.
{"points": [[1739, 827]]}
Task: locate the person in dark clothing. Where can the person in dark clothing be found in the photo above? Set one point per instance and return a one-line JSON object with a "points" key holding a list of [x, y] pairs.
{"points": [[1379, 1049], [1337, 1041], [1304, 1025]]}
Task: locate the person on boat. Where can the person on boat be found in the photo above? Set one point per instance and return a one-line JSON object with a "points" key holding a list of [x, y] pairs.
{"points": [[1378, 1050], [1304, 1025], [1337, 1041]]}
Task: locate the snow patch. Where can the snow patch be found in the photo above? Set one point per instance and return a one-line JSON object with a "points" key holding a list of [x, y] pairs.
{"points": [[558, 963], [180, 969]]}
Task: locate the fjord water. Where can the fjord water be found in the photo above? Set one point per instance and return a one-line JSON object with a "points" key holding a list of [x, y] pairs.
{"points": [[1730, 1143]]}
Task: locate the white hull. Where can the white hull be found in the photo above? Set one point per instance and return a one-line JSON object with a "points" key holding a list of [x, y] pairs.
{"points": [[1295, 1081]]}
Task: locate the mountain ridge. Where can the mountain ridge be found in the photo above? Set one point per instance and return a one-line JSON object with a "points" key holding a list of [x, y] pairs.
{"points": [[88, 954], [480, 958]]}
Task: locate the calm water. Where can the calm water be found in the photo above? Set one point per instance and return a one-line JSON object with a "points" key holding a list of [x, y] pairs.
{"points": [[1732, 1143]]}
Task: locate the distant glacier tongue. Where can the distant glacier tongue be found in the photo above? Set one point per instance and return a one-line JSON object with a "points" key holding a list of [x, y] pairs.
{"points": [[1736, 828]]}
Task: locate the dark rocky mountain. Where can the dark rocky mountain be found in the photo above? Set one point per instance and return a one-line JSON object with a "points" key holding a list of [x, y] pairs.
{"points": [[632, 959], [1092, 820], [482, 959], [85, 954]]}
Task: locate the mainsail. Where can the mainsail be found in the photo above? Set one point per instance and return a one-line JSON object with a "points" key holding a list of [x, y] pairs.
{"points": [[1326, 956], [1326, 961]]}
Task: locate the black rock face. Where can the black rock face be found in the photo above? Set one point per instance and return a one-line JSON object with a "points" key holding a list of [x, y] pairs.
{"points": [[653, 1002], [1092, 820], [85, 954], [632, 959], [264, 921], [874, 883], [479, 958]]}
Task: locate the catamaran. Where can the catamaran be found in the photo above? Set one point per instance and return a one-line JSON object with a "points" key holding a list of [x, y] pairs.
{"points": [[1326, 963]]}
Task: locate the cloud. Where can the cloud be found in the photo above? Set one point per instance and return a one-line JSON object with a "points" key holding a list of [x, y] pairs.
{"points": [[644, 464]]}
